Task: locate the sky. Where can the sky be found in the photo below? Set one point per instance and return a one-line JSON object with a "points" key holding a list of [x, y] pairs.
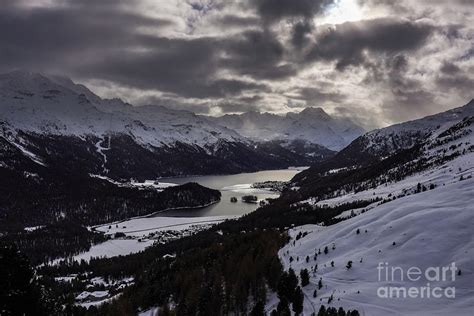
{"points": [[377, 61]]}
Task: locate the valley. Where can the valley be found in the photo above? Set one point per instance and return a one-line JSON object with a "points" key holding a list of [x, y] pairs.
{"points": [[125, 206]]}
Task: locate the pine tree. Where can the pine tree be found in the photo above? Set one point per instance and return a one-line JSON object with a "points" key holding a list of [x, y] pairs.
{"points": [[292, 279], [349, 264], [283, 308], [304, 275], [322, 311], [20, 293], [298, 300], [258, 309], [330, 299]]}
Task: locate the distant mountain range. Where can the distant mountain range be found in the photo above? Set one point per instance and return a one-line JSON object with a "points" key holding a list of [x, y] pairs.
{"points": [[312, 125], [54, 122]]}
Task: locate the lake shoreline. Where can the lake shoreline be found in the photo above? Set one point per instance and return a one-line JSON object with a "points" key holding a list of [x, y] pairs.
{"points": [[156, 213]]}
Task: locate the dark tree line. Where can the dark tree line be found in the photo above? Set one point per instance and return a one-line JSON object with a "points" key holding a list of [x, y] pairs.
{"points": [[64, 216], [210, 278], [21, 293]]}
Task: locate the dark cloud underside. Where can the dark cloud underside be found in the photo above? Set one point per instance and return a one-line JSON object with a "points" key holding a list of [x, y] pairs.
{"points": [[347, 42]]}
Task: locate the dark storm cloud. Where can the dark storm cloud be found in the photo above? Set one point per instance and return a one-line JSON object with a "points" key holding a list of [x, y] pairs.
{"points": [[405, 96], [274, 10], [99, 40], [301, 31], [347, 42], [181, 66], [460, 82], [237, 21], [241, 104], [203, 108], [317, 95], [47, 37], [258, 54], [449, 68], [453, 78], [228, 105]]}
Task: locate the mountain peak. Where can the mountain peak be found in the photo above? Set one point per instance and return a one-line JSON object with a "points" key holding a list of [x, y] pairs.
{"points": [[312, 124], [39, 83], [315, 113], [314, 110], [22, 76]]}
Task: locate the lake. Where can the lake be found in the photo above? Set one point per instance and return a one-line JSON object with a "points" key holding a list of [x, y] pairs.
{"points": [[236, 185]]}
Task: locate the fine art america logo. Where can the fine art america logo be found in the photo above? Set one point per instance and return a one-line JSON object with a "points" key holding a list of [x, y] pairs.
{"points": [[429, 277]]}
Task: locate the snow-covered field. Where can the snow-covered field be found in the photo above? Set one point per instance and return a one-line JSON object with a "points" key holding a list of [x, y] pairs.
{"points": [[141, 227], [419, 231], [159, 186], [153, 184], [113, 248], [141, 233]]}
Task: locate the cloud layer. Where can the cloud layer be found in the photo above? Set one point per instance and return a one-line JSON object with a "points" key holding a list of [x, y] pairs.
{"points": [[395, 62]]}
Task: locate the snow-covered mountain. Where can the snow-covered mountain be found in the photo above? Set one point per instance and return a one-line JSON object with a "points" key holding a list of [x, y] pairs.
{"points": [[378, 144], [409, 209], [430, 229], [312, 125], [53, 121], [404, 135], [54, 105]]}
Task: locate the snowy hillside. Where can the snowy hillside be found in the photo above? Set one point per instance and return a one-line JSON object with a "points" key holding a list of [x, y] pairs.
{"points": [[376, 145], [420, 220], [406, 134], [430, 229], [312, 125]]}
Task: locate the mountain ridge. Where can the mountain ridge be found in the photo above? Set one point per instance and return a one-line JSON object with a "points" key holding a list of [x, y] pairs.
{"points": [[63, 125], [377, 144], [312, 125]]}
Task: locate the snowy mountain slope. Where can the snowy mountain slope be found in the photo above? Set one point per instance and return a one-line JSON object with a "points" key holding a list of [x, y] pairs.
{"points": [[405, 134], [57, 123], [312, 125], [422, 217], [37, 103], [456, 143], [430, 229], [377, 144]]}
